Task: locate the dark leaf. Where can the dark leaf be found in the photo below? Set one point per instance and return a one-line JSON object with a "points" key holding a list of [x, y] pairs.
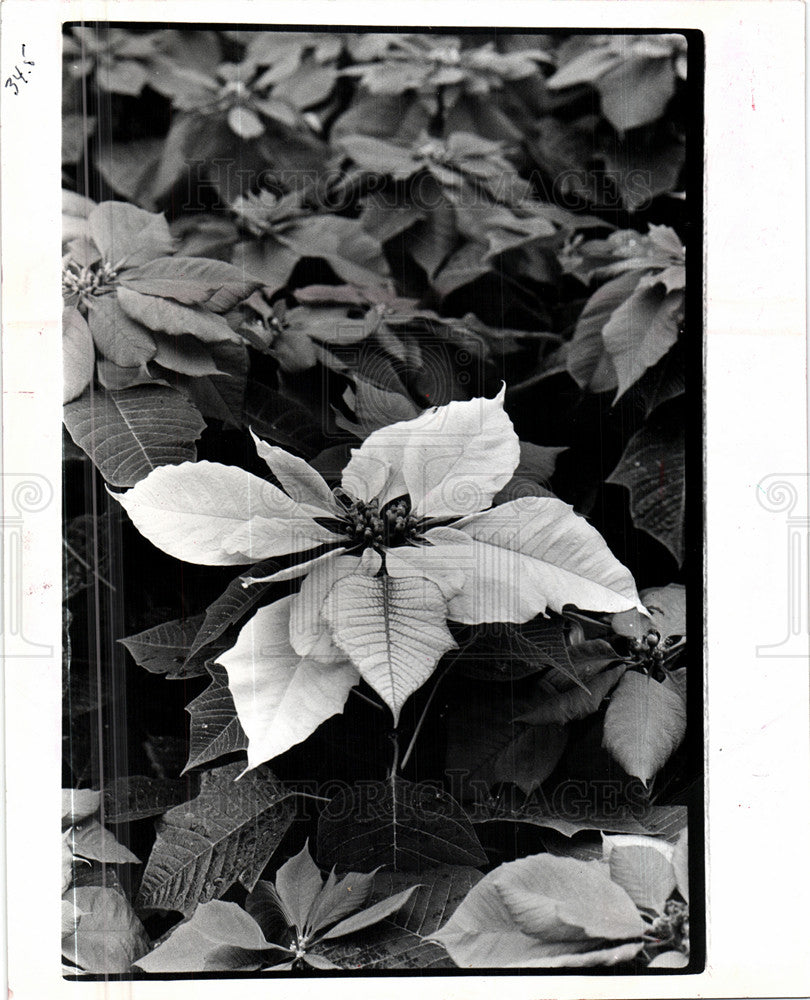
{"points": [[283, 420], [588, 360], [231, 606], [575, 703], [215, 727], [136, 797], [399, 941], [395, 824], [487, 745], [129, 432], [652, 469], [164, 649], [222, 397], [227, 833], [663, 381], [129, 168]]}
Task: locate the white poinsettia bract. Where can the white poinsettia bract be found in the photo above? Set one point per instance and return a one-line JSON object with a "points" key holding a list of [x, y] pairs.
{"points": [[408, 541]]}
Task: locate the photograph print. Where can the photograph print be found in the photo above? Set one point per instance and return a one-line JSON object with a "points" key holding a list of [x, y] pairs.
{"points": [[383, 502]]}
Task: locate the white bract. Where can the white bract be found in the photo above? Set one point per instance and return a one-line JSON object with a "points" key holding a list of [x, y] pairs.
{"points": [[408, 541]]}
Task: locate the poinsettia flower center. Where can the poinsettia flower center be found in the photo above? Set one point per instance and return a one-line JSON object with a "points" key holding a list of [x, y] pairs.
{"points": [[672, 927], [449, 55], [434, 150], [87, 281], [369, 526]]}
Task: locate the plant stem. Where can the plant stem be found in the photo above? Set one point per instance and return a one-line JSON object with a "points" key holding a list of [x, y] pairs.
{"points": [[416, 731], [395, 761]]}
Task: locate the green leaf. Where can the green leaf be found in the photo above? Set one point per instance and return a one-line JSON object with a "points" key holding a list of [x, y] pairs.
{"points": [[393, 630], [642, 866], [667, 608], [587, 358], [298, 884], [137, 797], [380, 157], [165, 316], [218, 937], [669, 960], [352, 253], [400, 941], [636, 91], [113, 378], [222, 396], [245, 122], [652, 469], [370, 915], [184, 355], [129, 235], [664, 821], [89, 839], [680, 863], [117, 336], [121, 76], [129, 432], [574, 704], [109, 937], [164, 649], [191, 281], [310, 85], [641, 330], [338, 898], [129, 168], [227, 833], [78, 804], [487, 745], [432, 240], [215, 728], [543, 912], [644, 724], [585, 67], [271, 260], [78, 354], [396, 824]]}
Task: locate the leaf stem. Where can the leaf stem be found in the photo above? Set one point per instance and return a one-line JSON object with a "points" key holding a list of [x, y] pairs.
{"points": [[371, 701], [87, 565]]}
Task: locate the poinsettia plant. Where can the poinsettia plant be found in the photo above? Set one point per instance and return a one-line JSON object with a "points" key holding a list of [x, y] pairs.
{"points": [[379, 395]]}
